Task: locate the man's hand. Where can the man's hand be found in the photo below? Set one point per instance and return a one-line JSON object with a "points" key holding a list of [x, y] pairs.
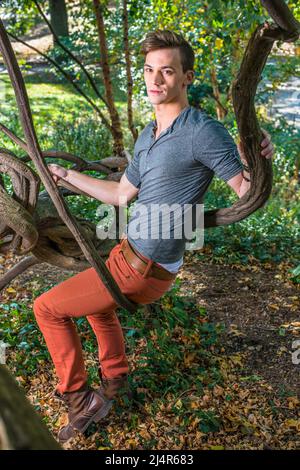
{"points": [[268, 148], [57, 172], [266, 144]]}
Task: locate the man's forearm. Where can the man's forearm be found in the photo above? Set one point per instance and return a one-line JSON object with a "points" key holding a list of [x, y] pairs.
{"points": [[245, 185], [103, 190]]}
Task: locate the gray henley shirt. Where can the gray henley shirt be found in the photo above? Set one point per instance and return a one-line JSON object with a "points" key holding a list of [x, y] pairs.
{"points": [[176, 168]]}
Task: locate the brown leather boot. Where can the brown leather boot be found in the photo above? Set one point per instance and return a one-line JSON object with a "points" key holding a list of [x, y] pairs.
{"points": [[111, 387], [85, 406]]}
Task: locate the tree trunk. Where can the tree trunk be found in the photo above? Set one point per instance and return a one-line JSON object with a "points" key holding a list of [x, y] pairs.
{"points": [[20, 426], [114, 115], [128, 73], [59, 18]]}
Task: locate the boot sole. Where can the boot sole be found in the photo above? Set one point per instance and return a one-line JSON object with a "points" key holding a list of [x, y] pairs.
{"points": [[104, 410]]}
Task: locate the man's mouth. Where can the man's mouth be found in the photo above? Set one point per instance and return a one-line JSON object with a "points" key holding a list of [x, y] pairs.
{"points": [[155, 92]]}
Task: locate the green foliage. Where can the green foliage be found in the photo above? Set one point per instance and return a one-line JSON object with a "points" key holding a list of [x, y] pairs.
{"points": [[20, 15], [176, 336], [174, 332], [84, 136], [19, 330], [217, 30], [296, 274]]}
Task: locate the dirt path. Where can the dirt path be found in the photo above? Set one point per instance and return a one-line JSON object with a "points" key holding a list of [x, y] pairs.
{"points": [[260, 309]]}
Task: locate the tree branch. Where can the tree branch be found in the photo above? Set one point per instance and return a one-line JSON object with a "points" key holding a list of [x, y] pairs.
{"points": [[18, 269], [283, 17], [243, 94]]}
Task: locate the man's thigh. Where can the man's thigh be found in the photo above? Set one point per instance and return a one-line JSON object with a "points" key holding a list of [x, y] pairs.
{"points": [[80, 295], [84, 293]]}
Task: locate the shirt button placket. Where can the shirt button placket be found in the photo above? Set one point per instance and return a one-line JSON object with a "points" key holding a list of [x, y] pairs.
{"points": [[149, 151], [153, 142]]}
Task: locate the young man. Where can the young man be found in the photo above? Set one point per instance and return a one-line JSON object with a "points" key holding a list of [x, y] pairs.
{"points": [[175, 159]]}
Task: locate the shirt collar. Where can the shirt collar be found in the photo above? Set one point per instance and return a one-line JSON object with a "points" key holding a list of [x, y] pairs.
{"points": [[175, 122]]}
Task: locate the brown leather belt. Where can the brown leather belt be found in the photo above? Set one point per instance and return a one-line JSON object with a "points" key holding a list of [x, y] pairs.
{"points": [[144, 265]]}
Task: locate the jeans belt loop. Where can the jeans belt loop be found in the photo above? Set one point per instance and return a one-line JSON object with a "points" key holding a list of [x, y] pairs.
{"points": [[123, 240], [149, 266]]}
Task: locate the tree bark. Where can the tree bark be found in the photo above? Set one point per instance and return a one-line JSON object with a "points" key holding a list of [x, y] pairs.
{"points": [[283, 17], [53, 242], [113, 112], [20, 426], [128, 73]]}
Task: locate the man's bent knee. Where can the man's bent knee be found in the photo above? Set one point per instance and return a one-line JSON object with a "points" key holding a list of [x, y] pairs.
{"points": [[41, 306]]}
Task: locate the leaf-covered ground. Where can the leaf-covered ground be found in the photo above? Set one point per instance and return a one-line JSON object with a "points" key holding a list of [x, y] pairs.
{"points": [[211, 363]]}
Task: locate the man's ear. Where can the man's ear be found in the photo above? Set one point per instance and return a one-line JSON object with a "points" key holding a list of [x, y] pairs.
{"points": [[190, 75]]}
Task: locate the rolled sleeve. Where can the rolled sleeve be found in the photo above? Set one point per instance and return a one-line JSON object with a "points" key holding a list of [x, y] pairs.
{"points": [[214, 147], [132, 171]]}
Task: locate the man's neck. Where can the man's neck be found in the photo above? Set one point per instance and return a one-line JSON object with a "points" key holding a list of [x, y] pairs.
{"points": [[166, 113]]}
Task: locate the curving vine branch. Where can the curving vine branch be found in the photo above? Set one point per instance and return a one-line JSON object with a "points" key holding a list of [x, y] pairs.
{"points": [[244, 88]]}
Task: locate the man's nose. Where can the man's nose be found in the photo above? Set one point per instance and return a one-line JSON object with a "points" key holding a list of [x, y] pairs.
{"points": [[157, 78]]}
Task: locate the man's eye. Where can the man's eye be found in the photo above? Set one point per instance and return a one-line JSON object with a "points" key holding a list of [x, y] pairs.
{"points": [[168, 72]]}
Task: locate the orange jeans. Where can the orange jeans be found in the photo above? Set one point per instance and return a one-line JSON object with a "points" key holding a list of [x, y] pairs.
{"points": [[85, 295]]}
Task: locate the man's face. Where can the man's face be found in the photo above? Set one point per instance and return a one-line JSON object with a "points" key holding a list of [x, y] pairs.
{"points": [[164, 77]]}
